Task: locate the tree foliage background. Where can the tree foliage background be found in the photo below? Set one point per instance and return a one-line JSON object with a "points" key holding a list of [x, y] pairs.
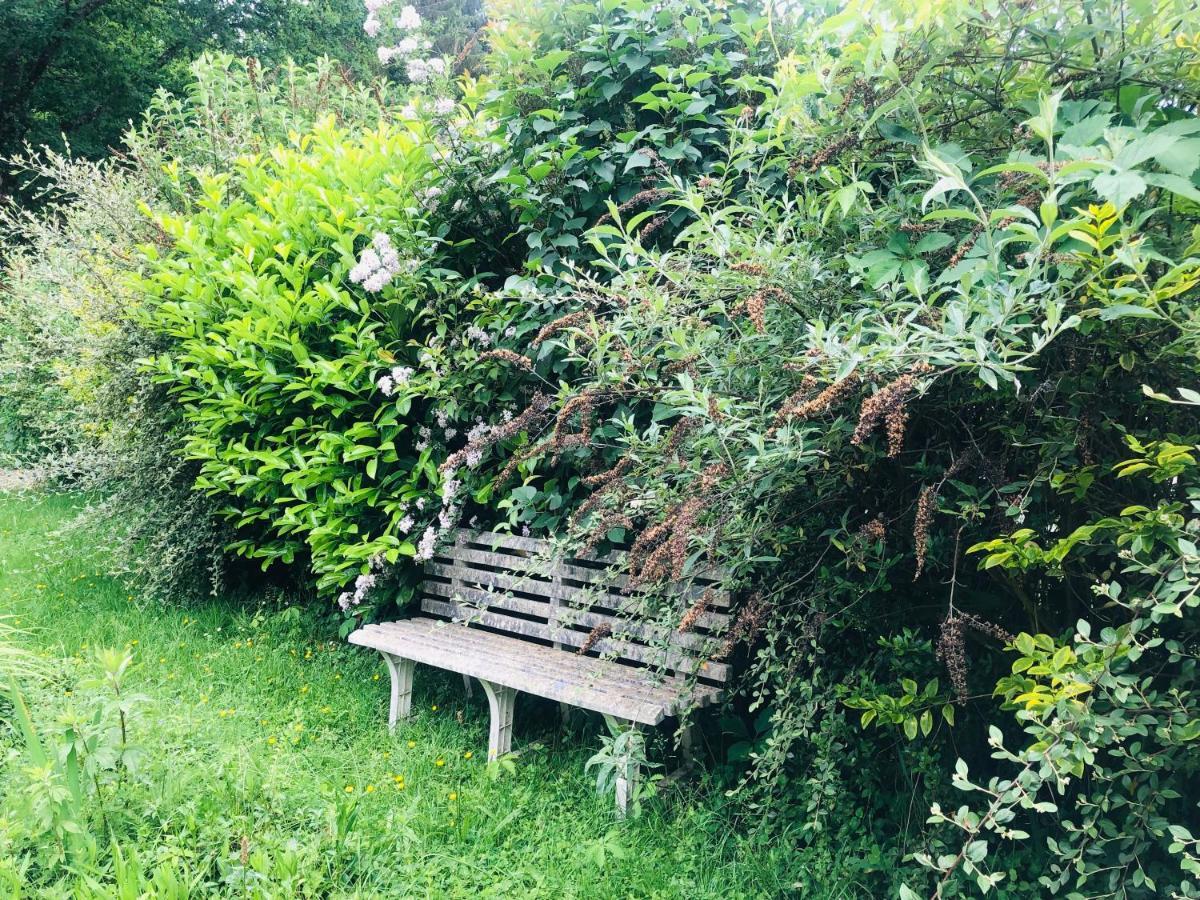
{"points": [[81, 71]]}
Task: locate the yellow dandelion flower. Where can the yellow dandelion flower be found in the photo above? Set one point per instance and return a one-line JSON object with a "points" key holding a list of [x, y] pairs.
{"points": [[370, 788], [349, 789], [434, 707], [468, 755], [439, 763], [272, 740], [375, 677], [453, 796], [412, 744]]}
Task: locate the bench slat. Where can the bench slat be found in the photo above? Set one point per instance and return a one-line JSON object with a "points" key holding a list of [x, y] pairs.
{"points": [[545, 573], [467, 587], [506, 664], [671, 659], [619, 680]]}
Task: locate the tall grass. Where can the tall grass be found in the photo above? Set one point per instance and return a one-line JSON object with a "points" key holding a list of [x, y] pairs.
{"points": [[259, 764]]}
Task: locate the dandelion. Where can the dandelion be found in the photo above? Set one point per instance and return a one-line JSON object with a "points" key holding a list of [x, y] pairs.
{"points": [[349, 789], [412, 745], [453, 796], [439, 762], [468, 755]]}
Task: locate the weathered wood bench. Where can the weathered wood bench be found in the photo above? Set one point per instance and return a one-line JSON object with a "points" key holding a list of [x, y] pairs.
{"points": [[501, 609]]}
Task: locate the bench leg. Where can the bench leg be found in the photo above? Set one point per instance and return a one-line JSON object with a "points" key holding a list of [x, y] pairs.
{"points": [[501, 699], [628, 771], [687, 745], [467, 686], [402, 681]]}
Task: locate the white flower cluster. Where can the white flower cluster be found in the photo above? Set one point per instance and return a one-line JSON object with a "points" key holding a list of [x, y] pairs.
{"points": [[478, 336], [447, 517], [362, 586], [377, 265], [408, 22], [398, 377]]}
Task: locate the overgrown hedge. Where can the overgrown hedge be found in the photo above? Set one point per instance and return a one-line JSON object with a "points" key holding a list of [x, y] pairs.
{"points": [[890, 311]]}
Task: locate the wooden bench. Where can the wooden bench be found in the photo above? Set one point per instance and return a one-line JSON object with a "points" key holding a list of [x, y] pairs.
{"points": [[502, 609]]}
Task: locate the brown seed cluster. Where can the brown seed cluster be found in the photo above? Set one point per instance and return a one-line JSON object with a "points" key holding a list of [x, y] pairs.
{"points": [[749, 622], [889, 406], [595, 636], [652, 227], [602, 484], [800, 406], [822, 156], [713, 474], [508, 356], [560, 324], [714, 409], [873, 531], [660, 551], [692, 616], [675, 366], [749, 268], [926, 507], [951, 650], [678, 433], [637, 201], [583, 404]]}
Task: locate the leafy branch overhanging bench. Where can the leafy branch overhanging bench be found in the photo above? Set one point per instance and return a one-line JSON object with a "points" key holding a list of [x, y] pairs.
{"points": [[502, 609]]}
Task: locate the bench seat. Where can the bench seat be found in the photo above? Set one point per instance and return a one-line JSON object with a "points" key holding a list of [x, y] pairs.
{"points": [[601, 685], [517, 616]]}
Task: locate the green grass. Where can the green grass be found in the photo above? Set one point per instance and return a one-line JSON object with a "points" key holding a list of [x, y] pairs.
{"points": [[259, 724]]}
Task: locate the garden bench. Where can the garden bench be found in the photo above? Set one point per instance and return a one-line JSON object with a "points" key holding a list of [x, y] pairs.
{"points": [[499, 608]]}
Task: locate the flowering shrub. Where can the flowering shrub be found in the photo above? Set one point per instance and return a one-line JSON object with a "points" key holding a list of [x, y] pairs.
{"points": [[879, 318]]}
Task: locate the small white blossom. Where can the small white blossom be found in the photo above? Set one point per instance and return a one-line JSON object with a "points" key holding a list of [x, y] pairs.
{"points": [[444, 106], [406, 524], [426, 546], [386, 384], [371, 26], [401, 374], [479, 336], [407, 46], [409, 19]]}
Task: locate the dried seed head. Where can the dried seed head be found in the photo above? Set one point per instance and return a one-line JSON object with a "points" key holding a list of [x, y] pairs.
{"points": [[873, 531], [926, 507], [508, 356], [692, 616], [570, 320], [595, 636], [797, 406]]}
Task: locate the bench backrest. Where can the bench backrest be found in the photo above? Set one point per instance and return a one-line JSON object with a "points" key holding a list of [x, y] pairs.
{"points": [[513, 584]]}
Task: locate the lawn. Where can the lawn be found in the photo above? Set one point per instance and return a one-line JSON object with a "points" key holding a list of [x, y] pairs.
{"points": [[265, 767]]}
